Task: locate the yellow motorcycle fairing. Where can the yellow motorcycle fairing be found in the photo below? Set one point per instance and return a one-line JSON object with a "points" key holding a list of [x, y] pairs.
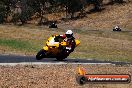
{"points": [[63, 43], [53, 47], [77, 42], [46, 48]]}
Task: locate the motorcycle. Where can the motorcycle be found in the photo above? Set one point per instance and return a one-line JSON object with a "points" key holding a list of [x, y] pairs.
{"points": [[54, 49]]}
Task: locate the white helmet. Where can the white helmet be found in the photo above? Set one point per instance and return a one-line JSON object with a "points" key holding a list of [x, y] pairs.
{"points": [[69, 33], [116, 27]]}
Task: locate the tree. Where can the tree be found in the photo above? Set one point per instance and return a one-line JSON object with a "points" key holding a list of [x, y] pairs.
{"points": [[97, 4], [116, 1], [4, 9]]}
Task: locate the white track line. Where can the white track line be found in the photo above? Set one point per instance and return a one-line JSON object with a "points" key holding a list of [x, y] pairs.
{"points": [[47, 63]]}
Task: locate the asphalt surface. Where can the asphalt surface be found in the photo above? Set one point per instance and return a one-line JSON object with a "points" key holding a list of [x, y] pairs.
{"points": [[14, 60]]}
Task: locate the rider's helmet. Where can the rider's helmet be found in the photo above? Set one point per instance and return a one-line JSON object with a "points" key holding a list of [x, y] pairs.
{"points": [[116, 27], [69, 33]]}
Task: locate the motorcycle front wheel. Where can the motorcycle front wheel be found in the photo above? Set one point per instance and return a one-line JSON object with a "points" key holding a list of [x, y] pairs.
{"points": [[40, 55]]}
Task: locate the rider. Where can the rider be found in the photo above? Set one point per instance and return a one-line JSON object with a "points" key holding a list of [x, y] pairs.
{"points": [[69, 39], [117, 28]]}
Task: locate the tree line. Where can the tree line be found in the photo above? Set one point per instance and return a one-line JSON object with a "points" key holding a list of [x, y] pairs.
{"points": [[23, 10]]}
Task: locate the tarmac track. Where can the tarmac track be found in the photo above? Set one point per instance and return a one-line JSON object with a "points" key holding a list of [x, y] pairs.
{"points": [[31, 60]]}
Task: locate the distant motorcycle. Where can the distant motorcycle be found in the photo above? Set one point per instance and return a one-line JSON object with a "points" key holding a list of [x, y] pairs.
{"points": [[53, 50], [116, 29], [53, 25]]}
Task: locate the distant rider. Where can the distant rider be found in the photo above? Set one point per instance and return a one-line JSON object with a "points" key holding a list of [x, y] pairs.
{"points": [[117, 28]]}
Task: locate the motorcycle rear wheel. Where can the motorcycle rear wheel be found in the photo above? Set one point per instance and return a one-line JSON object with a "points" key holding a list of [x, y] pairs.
{"points": [[60, 58], [40, 55]]}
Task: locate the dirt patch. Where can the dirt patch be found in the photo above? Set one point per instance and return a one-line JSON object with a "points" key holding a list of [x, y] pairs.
{"points": [[56, 76], [117, 14]]}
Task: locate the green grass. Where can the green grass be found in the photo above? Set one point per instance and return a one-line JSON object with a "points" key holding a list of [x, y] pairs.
{"points": [[104, 45], [19, 45]]}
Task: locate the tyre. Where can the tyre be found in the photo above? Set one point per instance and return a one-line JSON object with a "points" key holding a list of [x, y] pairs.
{"points": [[114, 29], [56, 26], [62, 55], [60, 58], [81, 80], [40, 54], [50, 27], [119, 29]]}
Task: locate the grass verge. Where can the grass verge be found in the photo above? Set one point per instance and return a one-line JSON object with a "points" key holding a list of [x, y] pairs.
{"points": [[99, 45], [19, 45]]}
